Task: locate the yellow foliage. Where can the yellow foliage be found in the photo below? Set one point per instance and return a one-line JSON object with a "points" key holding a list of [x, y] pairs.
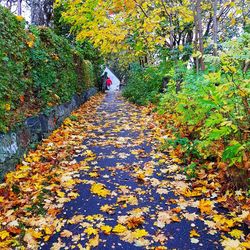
{"points": [[236, 233], [106, 229], [60, 194], [4, 234], [119, 229], [99, 189], [139, 233], [193, 233], [205, 206], [20, 18], [90, 230], [7, 107]]}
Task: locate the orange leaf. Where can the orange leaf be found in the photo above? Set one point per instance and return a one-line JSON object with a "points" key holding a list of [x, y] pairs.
{"points": [[205, 206], [14, 230], [22, 99], [135, 222]]}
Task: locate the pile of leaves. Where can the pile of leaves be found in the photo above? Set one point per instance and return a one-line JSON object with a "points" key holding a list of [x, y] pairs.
{"points": [[117, 185], [33, 194], [38, 69]]}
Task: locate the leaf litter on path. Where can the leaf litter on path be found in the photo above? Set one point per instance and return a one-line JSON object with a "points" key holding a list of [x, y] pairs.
{"points": [[99, 181]]}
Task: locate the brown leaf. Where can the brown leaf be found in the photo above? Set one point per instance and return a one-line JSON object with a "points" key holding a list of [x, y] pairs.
{"points": [[134, 222]]}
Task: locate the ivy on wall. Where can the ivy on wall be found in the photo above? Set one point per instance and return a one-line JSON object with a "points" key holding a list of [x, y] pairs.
{"points": [[38, 69]]}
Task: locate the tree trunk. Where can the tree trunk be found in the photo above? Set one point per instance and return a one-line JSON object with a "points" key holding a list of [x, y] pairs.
{"points": [[37, 15], [9, 4], [195, 37], [19, 7], [171, 33], [200, 33], [215, 27], [41, 12]]}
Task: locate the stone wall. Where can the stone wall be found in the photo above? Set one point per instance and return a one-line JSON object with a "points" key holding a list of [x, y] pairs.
{"points": [[14, 144]]}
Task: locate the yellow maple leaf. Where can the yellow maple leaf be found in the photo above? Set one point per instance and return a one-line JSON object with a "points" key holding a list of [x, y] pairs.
{"points": [[205, 206], [94, 242], [1, 198], [105, 208], [60, 194], [119, 229], [99, 189], [175, 218], [236, 233], [93, 174], [246, 244], [106, 229], [193, 233], [46, 238], [76, 219], [73, 195], [35, 234], [90, 231], [90, 218], [139, 233], [6, 244], [48, 230], [4, 234]]}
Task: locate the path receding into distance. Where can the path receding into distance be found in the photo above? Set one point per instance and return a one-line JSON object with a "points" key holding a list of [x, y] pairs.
{"points": [[132, 196]]}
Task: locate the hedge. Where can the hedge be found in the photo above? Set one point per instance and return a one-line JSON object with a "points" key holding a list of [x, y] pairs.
{"points": [[38, 69]]}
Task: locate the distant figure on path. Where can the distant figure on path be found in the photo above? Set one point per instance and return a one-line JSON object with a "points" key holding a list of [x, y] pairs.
{"points": [[115, 81], [103, 85], [108, 83]]}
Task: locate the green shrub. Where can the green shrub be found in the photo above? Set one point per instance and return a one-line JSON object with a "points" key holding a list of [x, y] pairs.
{"points": [[212, 108], [52, 67], [38, 69], [13, 63], [143, 85]]}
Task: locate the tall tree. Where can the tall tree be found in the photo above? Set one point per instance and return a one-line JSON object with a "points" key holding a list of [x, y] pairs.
{"points": [[215, 27], [41, 12], [200, 33], [19, 7]]}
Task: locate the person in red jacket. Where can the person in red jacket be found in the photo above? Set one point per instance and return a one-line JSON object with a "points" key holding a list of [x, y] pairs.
{"points": [[108, 83]]}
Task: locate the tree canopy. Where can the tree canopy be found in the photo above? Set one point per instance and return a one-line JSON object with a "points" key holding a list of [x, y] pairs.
{"points": [[141, 28]]}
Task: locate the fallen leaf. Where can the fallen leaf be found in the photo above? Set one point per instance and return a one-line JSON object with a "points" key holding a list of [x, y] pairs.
{"points": [[4, 234], [66, 233], [99, 189], [138, 233], [119, 229], [90, 231], [134, 222], [205, 206], [193, 233], [106, 229], [236, 233]]}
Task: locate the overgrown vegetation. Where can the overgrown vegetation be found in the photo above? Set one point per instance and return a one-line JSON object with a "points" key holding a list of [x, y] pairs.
{"points": [[200, 52], [38, 69], [143, 85], [207, 113]]}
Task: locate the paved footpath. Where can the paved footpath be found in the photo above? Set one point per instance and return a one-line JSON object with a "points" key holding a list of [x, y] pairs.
{"points": [[132, 196]]}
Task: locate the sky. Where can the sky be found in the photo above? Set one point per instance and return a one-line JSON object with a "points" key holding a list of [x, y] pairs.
{"points": [[25, 9]]}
